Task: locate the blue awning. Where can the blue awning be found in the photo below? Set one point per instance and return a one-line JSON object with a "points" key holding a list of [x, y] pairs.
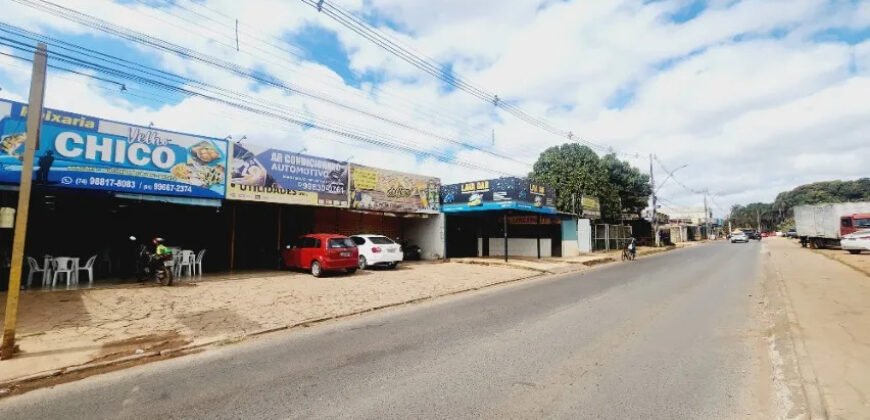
{"points": [[190, 201], [493, 206]]}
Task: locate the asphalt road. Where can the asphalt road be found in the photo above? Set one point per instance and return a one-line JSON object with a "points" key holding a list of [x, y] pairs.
{"points": [[669, 336]]}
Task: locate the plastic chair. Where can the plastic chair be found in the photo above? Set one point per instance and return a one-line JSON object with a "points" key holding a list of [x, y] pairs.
{"points": [[34, 268], [63, 265], [185, 261], [197, 264], [89, 267]]}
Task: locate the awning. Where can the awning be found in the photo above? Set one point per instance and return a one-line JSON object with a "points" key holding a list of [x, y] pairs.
{"points": [[499, 205], [190, 201]]}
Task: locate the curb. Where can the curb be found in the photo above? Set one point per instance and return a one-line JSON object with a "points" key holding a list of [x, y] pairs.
{"points": [[9, 384]]}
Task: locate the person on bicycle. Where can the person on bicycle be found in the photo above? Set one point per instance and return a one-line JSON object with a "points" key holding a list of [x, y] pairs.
{"points": [[632, 247]]}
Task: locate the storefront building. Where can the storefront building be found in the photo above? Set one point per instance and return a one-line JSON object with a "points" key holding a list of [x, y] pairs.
{"points": [[501, 217], [99, 182]]}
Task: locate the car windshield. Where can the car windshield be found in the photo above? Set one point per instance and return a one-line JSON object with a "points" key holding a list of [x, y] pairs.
{"points": [[862, 223], [340, 243], [381, 240]]}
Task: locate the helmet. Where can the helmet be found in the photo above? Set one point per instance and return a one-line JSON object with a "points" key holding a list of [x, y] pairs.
{"points": [[158, 241]]}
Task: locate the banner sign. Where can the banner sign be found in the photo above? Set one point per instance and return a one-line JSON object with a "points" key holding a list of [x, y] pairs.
{"points": [[275, 176], [531, 220], [79, 151], [591, 207], [500, 193], [385, 190]]}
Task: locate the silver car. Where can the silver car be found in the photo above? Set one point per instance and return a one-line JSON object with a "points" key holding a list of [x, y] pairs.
{"points": [[739, 237]]}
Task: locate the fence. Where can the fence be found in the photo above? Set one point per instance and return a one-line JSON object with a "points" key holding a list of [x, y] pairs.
{"points": [[609, 237]]}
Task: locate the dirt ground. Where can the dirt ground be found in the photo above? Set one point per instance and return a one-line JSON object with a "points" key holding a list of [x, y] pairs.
{"points": [[829, 301], [860, 262], [66, 328]]}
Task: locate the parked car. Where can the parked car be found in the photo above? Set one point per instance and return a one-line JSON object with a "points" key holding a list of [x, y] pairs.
{"points": [[856, 242], [764, 234], [739, 236], [321, 252], [791, 233], [377, 250], [752, 234]]}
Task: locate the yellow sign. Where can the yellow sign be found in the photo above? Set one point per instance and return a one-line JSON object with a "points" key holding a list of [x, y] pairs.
{"points": [[537, 189], [364, 179], [472, 187], [384, 190]]}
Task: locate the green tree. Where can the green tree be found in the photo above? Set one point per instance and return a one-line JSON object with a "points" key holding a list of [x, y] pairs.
{"points": [[575, 170]]}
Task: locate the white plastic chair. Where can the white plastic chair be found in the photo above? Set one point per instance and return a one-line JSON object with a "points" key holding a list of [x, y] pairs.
{"points": [[89, 267], [197, 264], [63, 265], [186, 260], [34, 268]]}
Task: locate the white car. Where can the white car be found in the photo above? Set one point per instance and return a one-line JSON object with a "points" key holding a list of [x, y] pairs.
{"points": [[739, 236], [377, 250], [856, 242]]}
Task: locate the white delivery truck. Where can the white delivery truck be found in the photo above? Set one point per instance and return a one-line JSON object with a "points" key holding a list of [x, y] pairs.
{"points": [[822, 225]]}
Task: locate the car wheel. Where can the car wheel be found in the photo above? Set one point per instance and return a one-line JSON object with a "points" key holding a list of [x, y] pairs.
{"points": [[854, 251], [316, 269], [351, 270], [393, 265], [362, 263]]}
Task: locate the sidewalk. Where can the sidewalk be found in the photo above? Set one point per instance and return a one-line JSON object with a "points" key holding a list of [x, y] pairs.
{"points": [[830, 305], [61, 329], [556, 265]]}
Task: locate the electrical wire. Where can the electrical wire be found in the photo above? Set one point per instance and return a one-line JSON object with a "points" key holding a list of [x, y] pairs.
{"points": [[325, 127], [442, 72], [134, 36]]}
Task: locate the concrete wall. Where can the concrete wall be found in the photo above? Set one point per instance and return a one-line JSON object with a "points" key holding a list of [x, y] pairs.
{"points": [[517, 247], [428, 234], [570, 244]]}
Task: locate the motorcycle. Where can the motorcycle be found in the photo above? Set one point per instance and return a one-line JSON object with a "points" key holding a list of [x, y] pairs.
{"points": [[411, 252], [152, 266]]}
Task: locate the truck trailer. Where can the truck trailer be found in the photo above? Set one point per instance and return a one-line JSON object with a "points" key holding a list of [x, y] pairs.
{"points": [[822, 225]]}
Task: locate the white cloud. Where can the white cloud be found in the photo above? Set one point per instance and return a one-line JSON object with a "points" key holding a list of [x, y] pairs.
{"points": [[751, 118]]}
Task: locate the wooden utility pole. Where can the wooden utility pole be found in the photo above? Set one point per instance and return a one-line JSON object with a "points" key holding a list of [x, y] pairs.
{"points": [[652, 188], [34, 123]]}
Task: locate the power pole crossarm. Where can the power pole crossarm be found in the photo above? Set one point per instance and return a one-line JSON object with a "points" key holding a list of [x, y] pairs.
{"points": [[34, 123]]}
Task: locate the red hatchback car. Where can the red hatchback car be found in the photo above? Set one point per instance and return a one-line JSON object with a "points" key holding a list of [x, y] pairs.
{"points": [[321, 252]]}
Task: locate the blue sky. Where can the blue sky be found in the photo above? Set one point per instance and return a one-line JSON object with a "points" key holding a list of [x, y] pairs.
{"points": [[669, 76]]}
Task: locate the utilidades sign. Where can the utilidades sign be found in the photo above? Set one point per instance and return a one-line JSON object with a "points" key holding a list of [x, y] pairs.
{"points": [[78, 151], [271, 175]]}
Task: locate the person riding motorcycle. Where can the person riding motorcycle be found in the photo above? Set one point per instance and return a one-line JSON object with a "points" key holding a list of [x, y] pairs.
{"points": [[161, 253]]}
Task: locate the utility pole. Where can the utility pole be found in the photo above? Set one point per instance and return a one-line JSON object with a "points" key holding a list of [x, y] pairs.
{"points": [[652, 188], [758, 220], [34, 124], [706, 216]]}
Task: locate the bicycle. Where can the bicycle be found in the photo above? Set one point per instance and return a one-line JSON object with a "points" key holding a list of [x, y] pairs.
{"points": [[627, 254]]}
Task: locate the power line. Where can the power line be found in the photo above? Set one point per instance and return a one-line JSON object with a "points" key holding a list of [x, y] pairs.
{"points": [[245, 105], [442, 72], [134, 36]]}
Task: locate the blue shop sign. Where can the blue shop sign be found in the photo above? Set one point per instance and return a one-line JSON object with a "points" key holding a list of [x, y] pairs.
{"points": [[79, 151]]}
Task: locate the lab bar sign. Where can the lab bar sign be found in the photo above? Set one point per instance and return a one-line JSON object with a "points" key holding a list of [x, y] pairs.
{"points": [[78, 151]]}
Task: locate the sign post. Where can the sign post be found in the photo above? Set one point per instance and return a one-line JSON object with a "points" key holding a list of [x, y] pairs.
{"points": [[34, 121]]}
